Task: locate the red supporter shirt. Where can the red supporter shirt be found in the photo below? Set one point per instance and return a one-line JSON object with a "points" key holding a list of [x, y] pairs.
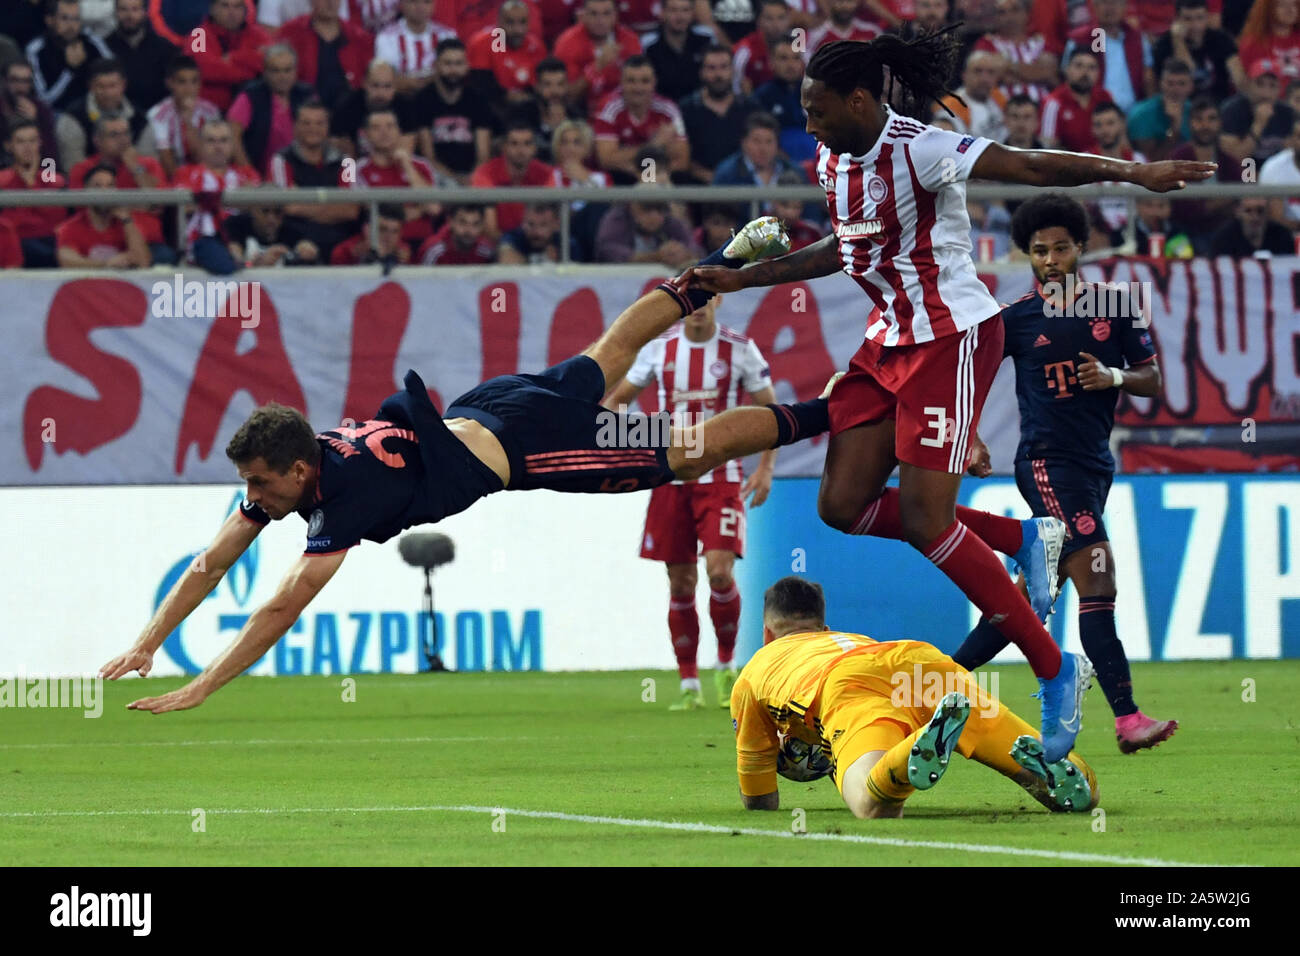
{"points": [[1024, 52], [556, 16], [826, 33], [208, 187], [125, 178], [11, 250], [349, 251], [1070, 124], [512, 68], [639, 16], [751, 61], [1051, 20], [578, 52], [32, 222], [1284, 52], [355, 52], [613, 121], [510, 215], [441, 250], [80, 235], [226, 60], [370, 175], [468, 17]]}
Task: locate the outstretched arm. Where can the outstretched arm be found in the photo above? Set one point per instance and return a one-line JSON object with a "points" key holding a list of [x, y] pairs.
{"points": [[1051, 167], [266, 626], [204, 574], [811, 262]]}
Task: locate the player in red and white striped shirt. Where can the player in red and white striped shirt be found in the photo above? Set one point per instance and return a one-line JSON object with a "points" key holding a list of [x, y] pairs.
{"points": [[702, 368], [410, 44], [895, 189]]}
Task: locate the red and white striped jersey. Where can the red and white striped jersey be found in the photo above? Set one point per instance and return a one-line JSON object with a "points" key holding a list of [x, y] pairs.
{"points": [[1024, 51], [411, 54], [614, 121], [904, 234], [699, 379], [374, 15], [208, 187], [166, 124]]}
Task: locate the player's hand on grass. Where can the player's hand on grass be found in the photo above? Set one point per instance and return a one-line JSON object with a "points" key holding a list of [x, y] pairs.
{"points": [[183, 698], [135, 659], [1165, 176], [1094, 375], [714, 278], [981, 466], [760, 484]]}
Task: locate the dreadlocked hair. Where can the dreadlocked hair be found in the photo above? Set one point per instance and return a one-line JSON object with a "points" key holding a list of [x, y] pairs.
{"points": [[920, 69]]}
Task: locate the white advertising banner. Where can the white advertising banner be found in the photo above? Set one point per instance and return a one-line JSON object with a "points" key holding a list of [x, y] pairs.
{"points": [[540, 581], [134, 380]]}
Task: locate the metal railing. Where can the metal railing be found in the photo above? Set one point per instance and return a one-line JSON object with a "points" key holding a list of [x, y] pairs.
{"points": [[562, 197]]}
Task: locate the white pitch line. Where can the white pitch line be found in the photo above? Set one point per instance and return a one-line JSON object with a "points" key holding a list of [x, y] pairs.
{"points": [[321, 740], [227, 743], [1069, 855]]}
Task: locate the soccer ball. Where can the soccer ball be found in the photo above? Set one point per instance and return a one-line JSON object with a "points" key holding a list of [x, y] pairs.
{"points": [[801, 761]]}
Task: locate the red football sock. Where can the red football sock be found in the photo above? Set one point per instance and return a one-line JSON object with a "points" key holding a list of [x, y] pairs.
{"points": [[684, 629], [724, 608], [881, 520], [974, 568]]}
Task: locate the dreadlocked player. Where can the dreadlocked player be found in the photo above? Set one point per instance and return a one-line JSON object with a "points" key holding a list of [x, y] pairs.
{"points": [[914, 390]]}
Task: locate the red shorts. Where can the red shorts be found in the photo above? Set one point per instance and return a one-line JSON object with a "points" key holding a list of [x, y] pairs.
{"points": [[683, 517], [934, 392]]}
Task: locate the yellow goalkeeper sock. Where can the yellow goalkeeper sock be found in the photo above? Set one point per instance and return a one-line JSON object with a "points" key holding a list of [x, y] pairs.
{"points": [[888, 781]]}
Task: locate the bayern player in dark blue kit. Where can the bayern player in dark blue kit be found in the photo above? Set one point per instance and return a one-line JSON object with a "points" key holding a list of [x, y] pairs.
{"points": [[412, 465], [1075, 346]]}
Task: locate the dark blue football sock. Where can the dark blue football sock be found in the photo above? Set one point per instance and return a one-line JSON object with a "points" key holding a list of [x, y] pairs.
{"points": [[801, 420], [691, 299], [981, 646], [1101, 644]]}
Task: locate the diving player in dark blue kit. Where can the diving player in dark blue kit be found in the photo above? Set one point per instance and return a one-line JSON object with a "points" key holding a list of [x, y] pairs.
{"points": [[412, 465], [1075, 346]]}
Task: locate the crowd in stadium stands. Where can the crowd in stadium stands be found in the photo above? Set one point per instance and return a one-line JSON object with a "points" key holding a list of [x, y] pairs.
{"points": [[209, 95]]}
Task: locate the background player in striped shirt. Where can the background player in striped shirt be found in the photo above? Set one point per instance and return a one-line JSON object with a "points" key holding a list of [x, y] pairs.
{"points": [[912, 397], [889, 715], [702, 368], [1071, 364]]}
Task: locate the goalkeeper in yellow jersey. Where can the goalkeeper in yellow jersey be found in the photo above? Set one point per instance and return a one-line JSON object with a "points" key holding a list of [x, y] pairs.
{"points": [[882, 718]]}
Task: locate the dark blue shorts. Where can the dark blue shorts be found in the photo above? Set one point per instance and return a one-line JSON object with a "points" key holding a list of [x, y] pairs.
{"points": [[1063, 490], [557, 435]]}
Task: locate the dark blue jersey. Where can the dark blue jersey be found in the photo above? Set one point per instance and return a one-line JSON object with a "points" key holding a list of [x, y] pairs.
{"points": [[402, 468], [1058, 419]]}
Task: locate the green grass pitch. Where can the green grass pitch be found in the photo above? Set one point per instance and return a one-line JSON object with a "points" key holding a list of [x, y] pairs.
{"points": [[557, 769]]}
